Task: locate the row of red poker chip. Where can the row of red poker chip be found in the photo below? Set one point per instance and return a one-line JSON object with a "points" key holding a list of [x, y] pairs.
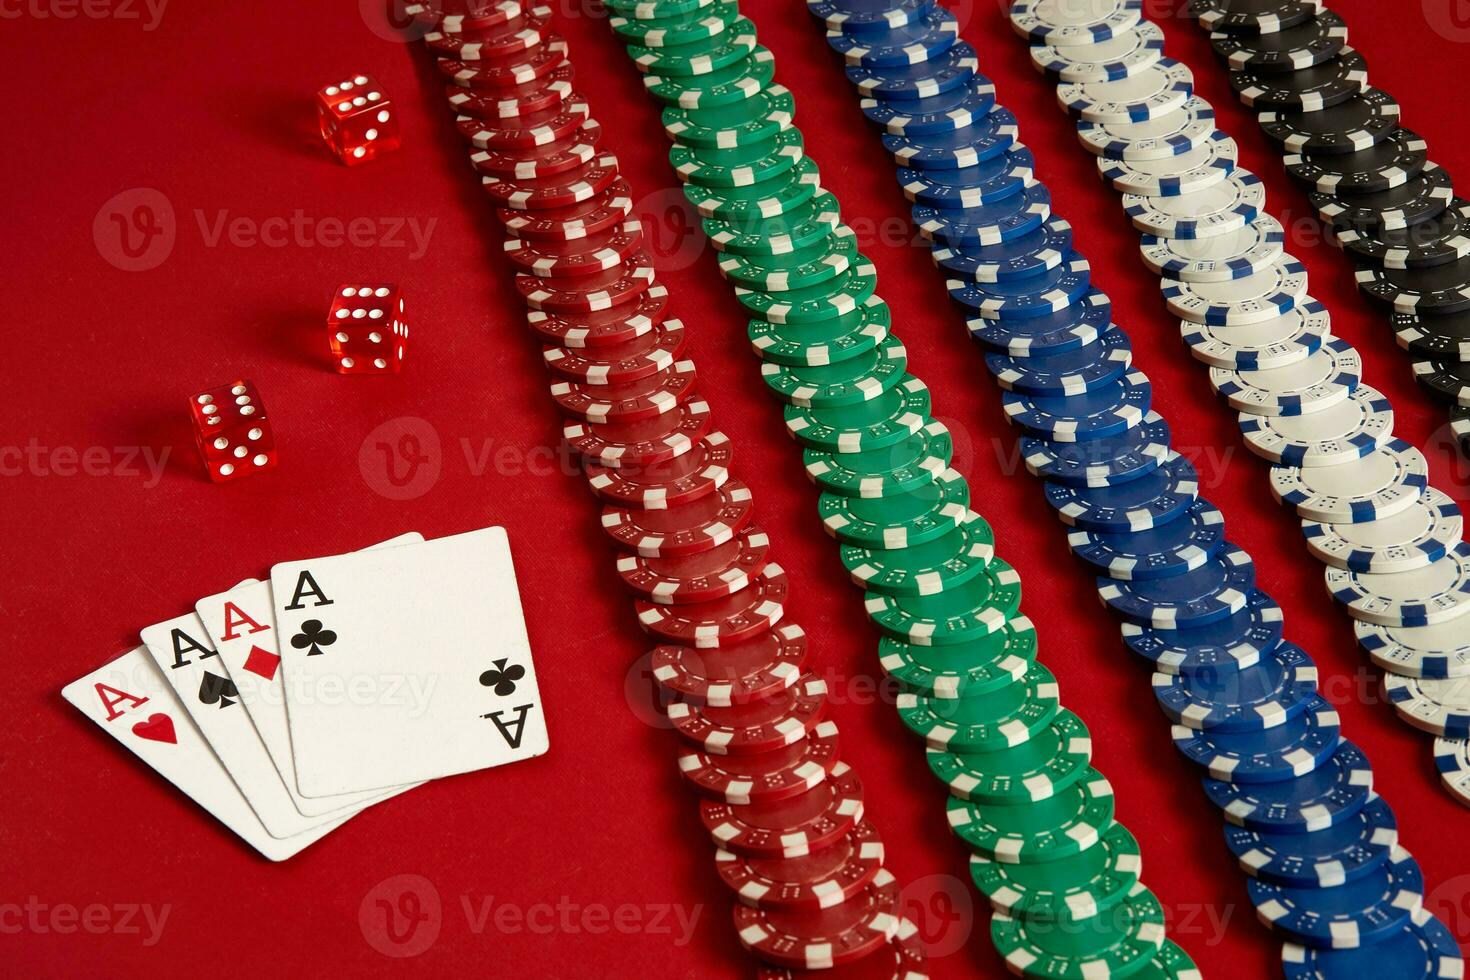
{"points": [[703, 576]]}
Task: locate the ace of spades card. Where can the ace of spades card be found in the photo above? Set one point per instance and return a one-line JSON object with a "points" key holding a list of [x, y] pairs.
{"points": [[406, 664]]}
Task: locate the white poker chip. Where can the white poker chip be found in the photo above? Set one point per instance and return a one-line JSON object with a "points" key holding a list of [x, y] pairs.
{"points": [[1067, 23], [1168, 135], [1203, 166], [1436, 593], [1250, 299], [1215, 210], [1162, 87], [1380, 484], [1401, 542], [1441, 650], [1119, 56], [1438, 705], [1325, 378], [1349, 430], [1452, 759], [1233, 255], [1279, 342]]}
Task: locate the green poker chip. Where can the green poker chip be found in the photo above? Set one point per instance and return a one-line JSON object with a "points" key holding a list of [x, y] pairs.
{"points": [[1115, 945], [814, 304], [1068, 889], [850, 382], [674, 29], [959, 671], [781, 234], [698, 57], [754, 201], [1050, 829], [734, 83], [757, 118], [654, 9], [991, 722], [1047, 763], [878, 474], [924, 567], [967, 612], [801, 269], [1171, 962], [899, 521], [737, 166], [895, 414], [825, 342]]}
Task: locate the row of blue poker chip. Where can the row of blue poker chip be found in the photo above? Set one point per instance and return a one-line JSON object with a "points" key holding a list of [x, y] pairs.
{"points": [[1303, 819]]}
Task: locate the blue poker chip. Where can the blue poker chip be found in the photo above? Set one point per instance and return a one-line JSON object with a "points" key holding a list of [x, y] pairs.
{"points": [[859, 16], [1356, 913], [1149, 501], [1068, 373], [1034, 252], [1251, 699], [1215, 590], [943, 113], [917, 41], [1076, 326], [1100, 462], [964, 187], [989, 223], [1423, 948], [1233, 643], [1303, 806], [1108, 411], [1292, 749], [1341, 853], [901, 83], [1177, 546], [1019, 299], [986, 137]]}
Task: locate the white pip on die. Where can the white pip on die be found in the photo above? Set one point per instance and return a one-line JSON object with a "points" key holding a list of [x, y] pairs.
{"points": [[367, 329]]}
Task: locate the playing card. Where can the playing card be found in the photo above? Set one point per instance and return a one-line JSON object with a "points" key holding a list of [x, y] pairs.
{"points": [[132, 701], [406, 664], [241, 625]]}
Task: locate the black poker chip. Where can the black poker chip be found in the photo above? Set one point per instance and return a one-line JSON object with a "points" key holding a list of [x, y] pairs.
{"points": [[1446, 336], [1429, 292], [1435, 241], [1460, 427], [1311, 42], [1397, 159], [1421, 199], [1253, 16], [1315, 87], [1445, 379], [1362, 121]]}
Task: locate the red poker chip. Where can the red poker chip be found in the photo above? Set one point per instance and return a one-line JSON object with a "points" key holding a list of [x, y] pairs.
{"points": [[684, 529], [454, 16], [792, 826], [512, 103], [644, 442], [603, 328], [527, 132], [762, 665], [543, 161], [818, 880], [729, 619], [653, 395], [497, 43], [708, 575], [571, 259], [764, 778], [554, 190], [623, 283], [816, 939], [698, 473], [761, 725], [620, 363], [578, 221], [902, 958], [537, 63]]}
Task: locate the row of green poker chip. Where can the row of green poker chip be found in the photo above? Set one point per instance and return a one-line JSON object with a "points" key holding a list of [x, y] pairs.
{"points": [[1062, 874]]}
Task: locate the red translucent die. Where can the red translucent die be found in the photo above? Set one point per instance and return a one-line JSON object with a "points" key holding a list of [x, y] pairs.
{"points": [[357, 119], [367, 330], [232, 431]]}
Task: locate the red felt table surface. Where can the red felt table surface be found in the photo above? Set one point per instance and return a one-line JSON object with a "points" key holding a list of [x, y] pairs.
{"points": [[589, 861]]}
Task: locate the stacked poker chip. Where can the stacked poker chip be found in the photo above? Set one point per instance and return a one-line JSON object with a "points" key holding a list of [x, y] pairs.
{"points": [[1061, 872], [1302, 818], [785, 813]]}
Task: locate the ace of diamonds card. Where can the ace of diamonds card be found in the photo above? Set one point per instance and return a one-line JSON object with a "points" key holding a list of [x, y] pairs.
{"points": [[406, 664]]}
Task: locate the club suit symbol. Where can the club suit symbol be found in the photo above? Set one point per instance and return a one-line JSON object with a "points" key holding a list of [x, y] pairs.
{"points": [[502, 679], [313, 637]]}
